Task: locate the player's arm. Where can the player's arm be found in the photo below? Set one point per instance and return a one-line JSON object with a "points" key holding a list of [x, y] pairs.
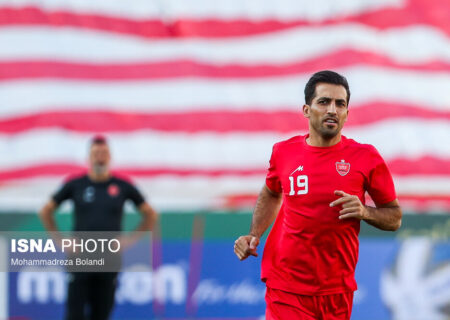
{"points": [[46, 214], [148, 214], [147, 223], [148, 217], [387, 216], [266, 209]]}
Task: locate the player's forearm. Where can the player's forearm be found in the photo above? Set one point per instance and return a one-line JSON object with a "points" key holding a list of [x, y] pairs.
{"points": [[388, 219], [146, 224], [149, 217], [266, 210], [47, 218]]}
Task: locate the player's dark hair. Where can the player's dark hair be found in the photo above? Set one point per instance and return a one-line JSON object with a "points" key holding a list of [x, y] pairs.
{"points": [[98, 139], [325, 76]]}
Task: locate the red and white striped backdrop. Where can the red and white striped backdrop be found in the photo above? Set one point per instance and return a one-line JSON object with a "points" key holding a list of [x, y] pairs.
{"points": [[192, 94]]}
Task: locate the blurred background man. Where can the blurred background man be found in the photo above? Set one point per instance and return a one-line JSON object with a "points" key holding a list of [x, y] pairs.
{"points": [[98, 198]]}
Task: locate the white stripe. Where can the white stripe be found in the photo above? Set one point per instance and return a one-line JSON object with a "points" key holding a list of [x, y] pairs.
{"points": [[222, 9], [141, 149], [394, 138], [423, 185], [367, 85], [168, 192], [405, 138], [413, 44], [163, 192]]}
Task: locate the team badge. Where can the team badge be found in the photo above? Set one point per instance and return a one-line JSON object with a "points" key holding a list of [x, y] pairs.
{"points": [[113, 190], [342, 167], [89, 194]]}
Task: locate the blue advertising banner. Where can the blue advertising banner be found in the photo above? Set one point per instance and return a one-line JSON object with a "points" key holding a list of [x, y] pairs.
{"points": [[401, 279]]}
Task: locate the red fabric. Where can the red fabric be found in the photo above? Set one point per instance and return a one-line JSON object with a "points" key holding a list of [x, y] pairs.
{"points": [[309, 250], [412, 12], [283, 305], [218, 120]]}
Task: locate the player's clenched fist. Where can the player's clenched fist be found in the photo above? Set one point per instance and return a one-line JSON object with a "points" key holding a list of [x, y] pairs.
{"points": [[245, 246]]}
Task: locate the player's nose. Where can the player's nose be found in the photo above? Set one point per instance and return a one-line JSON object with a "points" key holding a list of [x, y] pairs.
{"points": [[331, 109]]}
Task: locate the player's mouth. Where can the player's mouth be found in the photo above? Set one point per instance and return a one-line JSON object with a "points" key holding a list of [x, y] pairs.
{"points": [[331, 122]]}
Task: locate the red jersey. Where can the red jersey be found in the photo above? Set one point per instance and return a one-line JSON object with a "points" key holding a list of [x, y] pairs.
{"points": [[309, 250]]}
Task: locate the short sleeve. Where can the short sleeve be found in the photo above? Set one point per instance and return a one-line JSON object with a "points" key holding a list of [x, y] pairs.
{"points": [[135, 196], [380, 185], [64, 193], [272, 178]]}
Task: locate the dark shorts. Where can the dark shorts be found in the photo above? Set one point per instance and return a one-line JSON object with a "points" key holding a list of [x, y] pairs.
{"points": [[285, 305], [90, 295]]}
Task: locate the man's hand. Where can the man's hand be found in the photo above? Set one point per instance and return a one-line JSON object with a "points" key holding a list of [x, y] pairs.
{"points": [[245, 246], [351, 206], [127, 241]]}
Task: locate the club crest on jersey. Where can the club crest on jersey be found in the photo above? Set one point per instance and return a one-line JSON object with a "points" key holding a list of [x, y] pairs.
{"points": [[342, 167], [113, 190], [89, 194]]}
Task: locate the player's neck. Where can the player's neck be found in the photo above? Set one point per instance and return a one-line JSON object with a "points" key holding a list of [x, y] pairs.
{"points": [[96, 177], [316, 140]]}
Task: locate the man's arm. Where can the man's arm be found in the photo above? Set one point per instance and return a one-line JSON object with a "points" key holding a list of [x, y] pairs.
{"points": [[46, 214], [148, 218], [148, 221], [385, 217], [266, 209], [148, 214]]}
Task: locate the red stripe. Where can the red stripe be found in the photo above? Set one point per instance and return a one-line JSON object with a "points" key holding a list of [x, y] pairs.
{"points": [[424, 12], [62, 169], [183, 68], [398, 167], [220, 120], [425, 203], [36, 16], [422, 166], [415, 197]]}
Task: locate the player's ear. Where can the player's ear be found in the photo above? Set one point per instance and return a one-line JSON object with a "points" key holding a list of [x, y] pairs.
{"points": [[306, 110]]}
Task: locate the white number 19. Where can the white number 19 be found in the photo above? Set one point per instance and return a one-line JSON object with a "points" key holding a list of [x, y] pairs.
{"points": [[302, 184]]}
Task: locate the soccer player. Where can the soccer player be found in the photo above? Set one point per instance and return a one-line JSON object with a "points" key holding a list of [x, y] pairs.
{"points": [[98, 199], [317, 184]]}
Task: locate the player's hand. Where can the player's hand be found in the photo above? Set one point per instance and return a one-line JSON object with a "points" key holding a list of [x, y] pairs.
{"points": [[245, 246], [351, 206], [127, 241]]}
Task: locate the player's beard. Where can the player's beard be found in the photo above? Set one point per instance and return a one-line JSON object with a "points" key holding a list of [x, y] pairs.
{"points": [[100, 169], [327, 133]]}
